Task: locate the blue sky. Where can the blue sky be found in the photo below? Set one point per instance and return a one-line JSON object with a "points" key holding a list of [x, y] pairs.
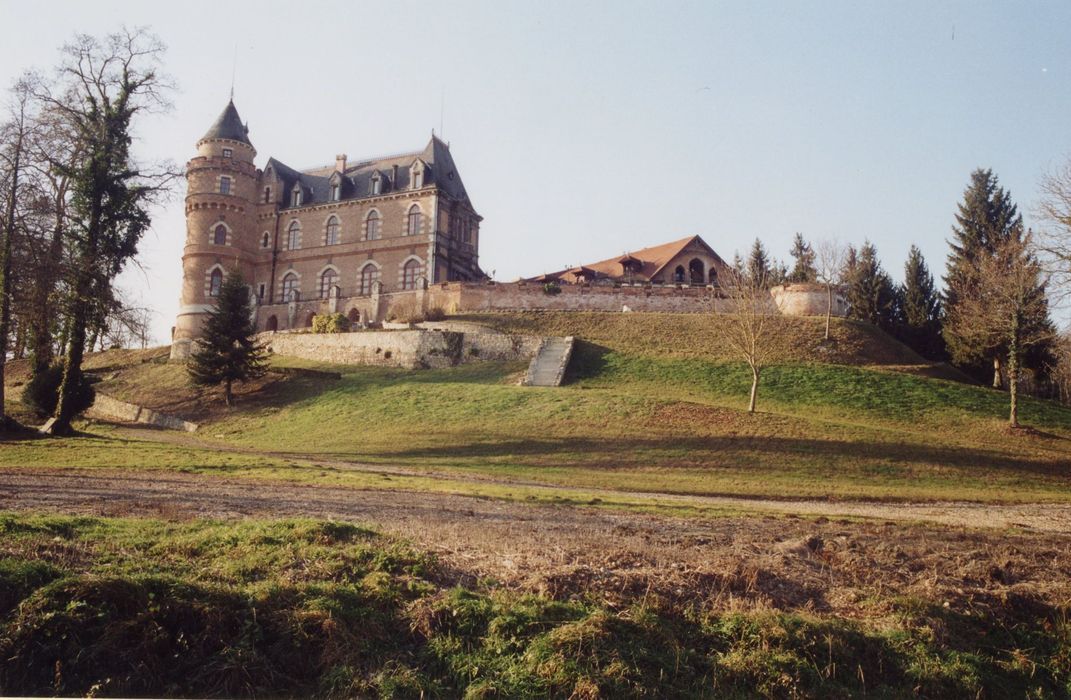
{"points": [[583, 130]]}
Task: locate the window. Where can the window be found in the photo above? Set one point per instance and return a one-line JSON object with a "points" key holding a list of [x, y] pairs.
{"points": [[228, 153], [410, 272], [224, 185], [369, 274], [295, 198], [372, 225], [219, 236], [327, 280], [469, 232], [416, 175], [265, 240], [215, 281], [291, 287], [414, 220], [678, 274], [332, 231], [260, 292], [293, 236], [267, 195], [335, 189], [377, 184]]}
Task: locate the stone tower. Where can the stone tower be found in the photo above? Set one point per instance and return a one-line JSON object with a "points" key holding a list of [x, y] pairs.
{"points": [[220, 222]]}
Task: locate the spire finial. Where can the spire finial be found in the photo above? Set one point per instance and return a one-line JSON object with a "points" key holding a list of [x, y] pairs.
{"points": [[234, 69]]}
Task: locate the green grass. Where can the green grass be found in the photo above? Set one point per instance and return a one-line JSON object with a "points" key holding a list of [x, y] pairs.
{"points": [[92, 606]]}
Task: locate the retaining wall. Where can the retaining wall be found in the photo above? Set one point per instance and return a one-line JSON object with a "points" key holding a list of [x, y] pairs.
{"points": [[113, 409]]}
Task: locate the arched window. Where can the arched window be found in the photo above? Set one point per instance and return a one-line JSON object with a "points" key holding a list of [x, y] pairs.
{"points": [[265, 240], [414, 220], [327, 280], [354, 316], [372, 223], [712, 276], [410, 272], [215, 282], [291, 285], [219, 235], [678, 274], [332, 231], [696, 273], [293, 236], [369, 274]]}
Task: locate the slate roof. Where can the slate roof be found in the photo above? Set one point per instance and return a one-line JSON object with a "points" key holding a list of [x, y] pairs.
{"points": [[439, 170], [228, 126], [652, 261]]}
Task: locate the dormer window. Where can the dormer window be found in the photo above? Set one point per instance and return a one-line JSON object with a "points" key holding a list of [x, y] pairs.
{"points": [[224, 185], [228, 153], [336, 188], [377, 184], [295, 197], [416, 175]]}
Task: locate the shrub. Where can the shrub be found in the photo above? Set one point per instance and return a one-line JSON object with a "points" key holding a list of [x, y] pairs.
{"points": [[41, 393], [435, 313], [330, 323], [552, 288]]}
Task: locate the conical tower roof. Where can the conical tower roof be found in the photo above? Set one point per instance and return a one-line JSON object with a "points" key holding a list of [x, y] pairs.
{"points": [[228, 126]]}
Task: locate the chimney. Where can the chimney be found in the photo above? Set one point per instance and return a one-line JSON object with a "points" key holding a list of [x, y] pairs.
{"points": [[340, 163]]}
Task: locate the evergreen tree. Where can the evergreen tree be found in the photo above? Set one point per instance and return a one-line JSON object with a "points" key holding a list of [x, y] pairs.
{"points": [[986, 220], [920, 311], [758, 264], [871, 295], [228, 351], [804, 269]]}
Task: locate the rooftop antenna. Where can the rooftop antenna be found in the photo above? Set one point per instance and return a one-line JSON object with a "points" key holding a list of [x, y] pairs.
{"points": [[234, 69]]}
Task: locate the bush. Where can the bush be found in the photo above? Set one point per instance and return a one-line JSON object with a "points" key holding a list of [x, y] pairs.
{"points": [[435, 313], [330, 323], [552, 288], [41, 393]]}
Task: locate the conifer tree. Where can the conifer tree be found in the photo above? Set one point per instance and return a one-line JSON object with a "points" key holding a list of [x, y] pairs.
{"points": [[228, 351], [920, 308], [804, 269], [986, 220], [758, 263], [871, 295]]}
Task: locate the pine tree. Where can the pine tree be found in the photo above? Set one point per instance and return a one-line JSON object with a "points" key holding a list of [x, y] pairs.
{"points": [[228, 351], [804, 269], [758, 264], [919, 323], [871, 295], [986, 220]]}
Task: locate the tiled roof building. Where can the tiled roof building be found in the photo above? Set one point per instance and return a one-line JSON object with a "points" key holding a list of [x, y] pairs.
{"points": [[689, 261]]}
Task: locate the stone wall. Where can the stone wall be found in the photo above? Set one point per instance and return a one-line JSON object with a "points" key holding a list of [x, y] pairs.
{"points": [[113, 409], [410, 349], [807, 300]]}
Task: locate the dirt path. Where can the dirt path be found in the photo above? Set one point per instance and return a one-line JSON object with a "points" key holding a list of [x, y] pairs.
{"points": [[785, 562], [1045, 517]]}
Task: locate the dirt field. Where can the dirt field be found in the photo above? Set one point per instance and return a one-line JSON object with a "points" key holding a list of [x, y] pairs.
{"points": [[785, 562]]}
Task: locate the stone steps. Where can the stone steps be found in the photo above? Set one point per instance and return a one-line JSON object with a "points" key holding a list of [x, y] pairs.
{"points": [[547, 368]]}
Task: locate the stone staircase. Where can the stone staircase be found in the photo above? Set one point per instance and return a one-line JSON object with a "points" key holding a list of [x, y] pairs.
{"points": [[548, 366]]}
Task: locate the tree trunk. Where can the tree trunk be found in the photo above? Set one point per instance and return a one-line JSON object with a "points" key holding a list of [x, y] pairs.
{"points": [[1013, 379], [42, 348], [227, 396], [997, 380], [754, 389], [829, 307]]}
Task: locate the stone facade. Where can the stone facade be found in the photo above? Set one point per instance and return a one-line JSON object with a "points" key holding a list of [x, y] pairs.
{"points": [[340, 234]]}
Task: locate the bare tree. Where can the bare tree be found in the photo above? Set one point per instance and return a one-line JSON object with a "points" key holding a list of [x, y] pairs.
{"points": [[17, 133], [830, 256], [753, 323], [1060, 371], [1006, 298], [1054, 239]]}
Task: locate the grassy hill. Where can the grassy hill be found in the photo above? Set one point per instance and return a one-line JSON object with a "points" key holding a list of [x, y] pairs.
{"points": [[647, 409]]}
